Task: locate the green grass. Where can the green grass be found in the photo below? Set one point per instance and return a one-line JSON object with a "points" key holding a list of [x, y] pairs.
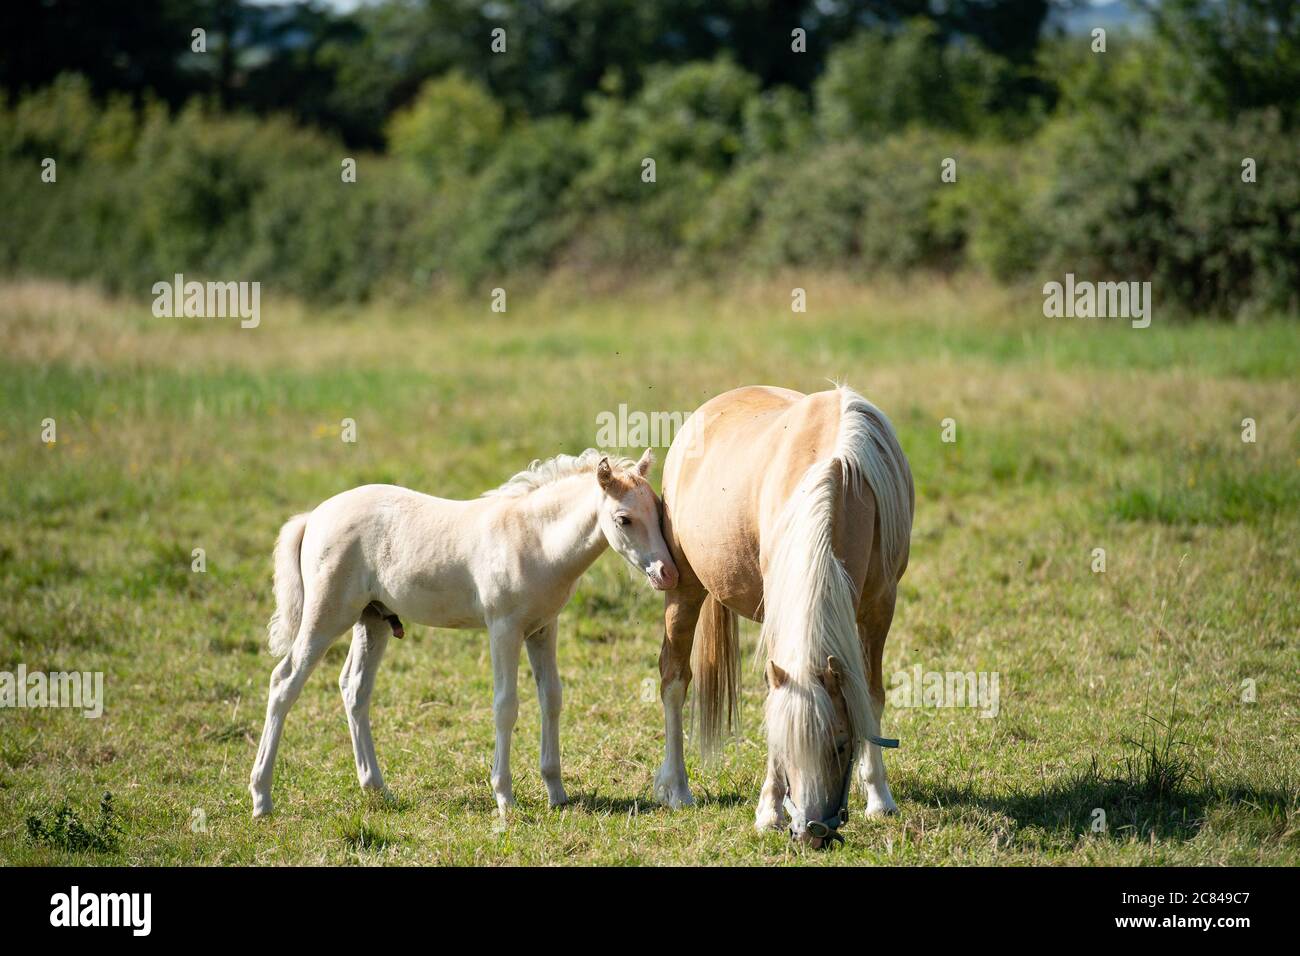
{"points": [[1120, 692]]}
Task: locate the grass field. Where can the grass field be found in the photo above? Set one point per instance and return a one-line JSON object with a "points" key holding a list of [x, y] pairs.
{"points": [[1120, 691]]}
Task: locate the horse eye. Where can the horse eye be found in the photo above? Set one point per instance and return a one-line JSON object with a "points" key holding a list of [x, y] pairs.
{"points": [[623, 520]]}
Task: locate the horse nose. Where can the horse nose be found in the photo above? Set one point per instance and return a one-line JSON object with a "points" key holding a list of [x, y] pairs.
{"points": [[663, 575], [800, 833]]}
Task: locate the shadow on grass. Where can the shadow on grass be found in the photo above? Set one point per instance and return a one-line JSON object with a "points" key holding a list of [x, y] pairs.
{"points": [[1130, 809], [605, 803]]}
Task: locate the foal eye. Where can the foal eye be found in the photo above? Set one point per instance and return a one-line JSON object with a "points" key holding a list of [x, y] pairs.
{"points": [[623, 520]]}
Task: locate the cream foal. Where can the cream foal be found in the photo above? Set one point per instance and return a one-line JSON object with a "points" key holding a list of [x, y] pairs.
{"points": [[507, 562]]}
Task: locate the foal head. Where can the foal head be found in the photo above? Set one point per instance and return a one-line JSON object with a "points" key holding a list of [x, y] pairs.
{"points": [[811, 743], [629, 518]]}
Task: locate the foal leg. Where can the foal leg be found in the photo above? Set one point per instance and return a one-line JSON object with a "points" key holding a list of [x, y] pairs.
{"points": [[873, 628], [681, 611], [356, 682], [505, 641], [546, 672], [319, 629]]}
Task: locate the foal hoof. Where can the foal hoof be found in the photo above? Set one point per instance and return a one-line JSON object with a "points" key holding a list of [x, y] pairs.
{"points": [[379, 796]]}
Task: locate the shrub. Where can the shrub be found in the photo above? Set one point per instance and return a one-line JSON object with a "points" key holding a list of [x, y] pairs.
{"points": [[452, 128], [878, 83], [515, 217], [873, 205], [776, 121], [1167, 203], [64, 830], [687, 118]]}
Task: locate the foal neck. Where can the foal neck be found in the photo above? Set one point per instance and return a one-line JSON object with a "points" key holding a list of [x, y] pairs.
{"points": [[564, 517]]}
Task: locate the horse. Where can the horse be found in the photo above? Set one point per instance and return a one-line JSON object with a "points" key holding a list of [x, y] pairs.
{"points": [[508, 561], [794, 511]]}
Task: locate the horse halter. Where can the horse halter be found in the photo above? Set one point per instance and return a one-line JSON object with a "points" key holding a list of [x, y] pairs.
{"points": [[828, 829]]}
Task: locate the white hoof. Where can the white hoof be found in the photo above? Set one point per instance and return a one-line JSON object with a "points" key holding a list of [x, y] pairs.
{"points": [[770, 818], [673, 792], [881, 807]]}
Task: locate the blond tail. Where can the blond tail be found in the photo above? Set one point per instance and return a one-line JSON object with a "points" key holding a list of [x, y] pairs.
{"points": [[283, 626], [716, 664]]}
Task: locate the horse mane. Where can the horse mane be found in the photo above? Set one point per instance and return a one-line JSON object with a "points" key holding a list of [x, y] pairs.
{"points": [[547, 472]]}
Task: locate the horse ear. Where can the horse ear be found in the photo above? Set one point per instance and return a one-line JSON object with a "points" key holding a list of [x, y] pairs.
{"points": [[604, 474], [647, 459], [833, 674], [776, 675]]}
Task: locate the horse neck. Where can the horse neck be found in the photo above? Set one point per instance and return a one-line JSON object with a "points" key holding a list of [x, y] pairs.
{"points": [[564, 517]]}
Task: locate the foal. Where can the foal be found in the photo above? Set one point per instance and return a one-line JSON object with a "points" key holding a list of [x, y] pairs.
{"points": [[508, 561]]}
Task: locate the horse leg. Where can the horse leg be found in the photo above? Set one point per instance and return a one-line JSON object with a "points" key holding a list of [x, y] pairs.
{"points": [[505, 641], [546, 672], [681, 611], [356, 682], [320, 627], [771, 813], [874, 619]]}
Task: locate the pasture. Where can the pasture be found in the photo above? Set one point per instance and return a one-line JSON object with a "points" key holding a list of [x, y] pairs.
{"points": [[1163, 692]]}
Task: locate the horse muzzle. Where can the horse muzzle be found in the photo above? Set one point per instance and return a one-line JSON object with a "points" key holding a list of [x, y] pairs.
{"points": [[662, 576]]}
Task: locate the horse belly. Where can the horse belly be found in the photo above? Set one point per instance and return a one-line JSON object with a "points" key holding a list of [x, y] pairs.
{"points": [[447, 600]]}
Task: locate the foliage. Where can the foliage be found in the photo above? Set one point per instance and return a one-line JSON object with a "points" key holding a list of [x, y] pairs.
{"points": [[1124, 165], [64, 830], [450, 130]]}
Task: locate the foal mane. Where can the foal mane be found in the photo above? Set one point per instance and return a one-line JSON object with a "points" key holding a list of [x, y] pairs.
{"points": [[547, 472]]}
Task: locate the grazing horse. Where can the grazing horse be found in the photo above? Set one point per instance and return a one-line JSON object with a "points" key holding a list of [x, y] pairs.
{"points": [[796, 511], [508, 561]]}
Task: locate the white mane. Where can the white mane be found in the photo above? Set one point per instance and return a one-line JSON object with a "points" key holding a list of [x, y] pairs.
{"points": [[548, 472]]}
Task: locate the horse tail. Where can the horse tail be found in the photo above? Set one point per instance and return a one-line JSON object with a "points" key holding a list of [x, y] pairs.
{"points": [[283, 626], [810, 602], [716, 663], [868, 449]]}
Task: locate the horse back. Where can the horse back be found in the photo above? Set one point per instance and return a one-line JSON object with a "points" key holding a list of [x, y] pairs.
{"points": [[731, 472]]}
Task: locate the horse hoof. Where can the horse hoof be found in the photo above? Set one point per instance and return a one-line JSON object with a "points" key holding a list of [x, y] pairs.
{"points": [[882, 809], [765, 822], [676, 799]]}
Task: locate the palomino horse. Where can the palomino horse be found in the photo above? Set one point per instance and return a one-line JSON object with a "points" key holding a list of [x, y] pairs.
{"points": [[794, 510], [508, 561]]}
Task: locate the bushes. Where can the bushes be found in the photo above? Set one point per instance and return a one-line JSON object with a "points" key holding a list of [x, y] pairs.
{"points": [[876, 84], [516, 217], [1167, 203], [451, 129], [1131, 177]]}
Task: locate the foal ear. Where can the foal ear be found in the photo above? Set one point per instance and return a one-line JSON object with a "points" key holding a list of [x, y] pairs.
{"points": [[647, 459], [776, 675], [604, 474]]}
